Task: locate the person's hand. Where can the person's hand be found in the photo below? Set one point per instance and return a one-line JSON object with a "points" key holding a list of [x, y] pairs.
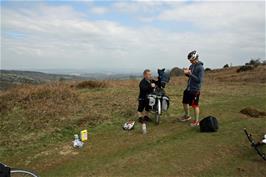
{"points": [[152, 85], [187, 71]]}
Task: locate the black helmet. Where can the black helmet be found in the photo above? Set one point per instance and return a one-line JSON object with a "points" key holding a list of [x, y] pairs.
{"points": [[193, 55]]}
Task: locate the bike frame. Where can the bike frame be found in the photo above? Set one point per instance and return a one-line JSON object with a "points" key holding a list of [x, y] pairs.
{"points": [[255, 145]]}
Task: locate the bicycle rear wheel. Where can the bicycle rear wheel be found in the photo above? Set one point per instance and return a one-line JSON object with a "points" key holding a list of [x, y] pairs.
{"points": [[22, 173], [158, 113]]}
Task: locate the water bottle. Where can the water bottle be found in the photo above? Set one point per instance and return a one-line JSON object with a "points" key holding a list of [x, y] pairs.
{"points": [[144, 128]]}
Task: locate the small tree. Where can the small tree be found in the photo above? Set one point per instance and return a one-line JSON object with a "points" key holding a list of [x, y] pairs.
{"points": [[208, 69], [254, 62], [226, 66]]}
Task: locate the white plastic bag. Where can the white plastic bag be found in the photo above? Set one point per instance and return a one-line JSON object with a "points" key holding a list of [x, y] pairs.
{"points": [[129, 125]]}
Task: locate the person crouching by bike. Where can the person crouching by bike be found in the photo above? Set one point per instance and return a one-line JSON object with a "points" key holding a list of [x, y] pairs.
{"points": [[146, 86], [195, 74]]}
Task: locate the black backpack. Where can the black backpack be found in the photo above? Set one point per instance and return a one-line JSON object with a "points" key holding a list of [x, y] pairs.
{"points": [[209, 124]]}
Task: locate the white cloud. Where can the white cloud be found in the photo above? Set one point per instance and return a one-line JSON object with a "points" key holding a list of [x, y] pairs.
{"points": [[61, 37], [99, 10]]}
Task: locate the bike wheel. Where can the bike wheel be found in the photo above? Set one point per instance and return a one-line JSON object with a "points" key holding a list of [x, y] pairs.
{"points": [[158, 113], [157, 119], [21, 173]]}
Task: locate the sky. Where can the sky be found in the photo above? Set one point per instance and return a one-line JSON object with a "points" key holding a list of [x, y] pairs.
{"points": [[129, 35]]}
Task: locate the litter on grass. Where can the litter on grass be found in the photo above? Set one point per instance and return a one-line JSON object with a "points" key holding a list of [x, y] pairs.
{"points": [[129, 125], [80, 139], [84, 135], [77, 143]]}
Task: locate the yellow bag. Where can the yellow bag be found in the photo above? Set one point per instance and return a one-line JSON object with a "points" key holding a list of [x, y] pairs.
{"points": [[84, 135]]}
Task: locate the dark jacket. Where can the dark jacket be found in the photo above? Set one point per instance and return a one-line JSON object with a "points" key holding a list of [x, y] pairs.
{"points": [[196, 77], [145, 88]]}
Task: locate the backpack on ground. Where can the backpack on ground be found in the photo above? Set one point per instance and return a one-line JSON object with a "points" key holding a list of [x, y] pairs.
{"points": [[209, 124]]}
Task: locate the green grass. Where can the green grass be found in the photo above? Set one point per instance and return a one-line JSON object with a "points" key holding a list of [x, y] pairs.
{"points": [[170, 149]]}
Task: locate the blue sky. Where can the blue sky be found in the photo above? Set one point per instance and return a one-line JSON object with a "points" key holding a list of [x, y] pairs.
{"points": [[129, 35]]}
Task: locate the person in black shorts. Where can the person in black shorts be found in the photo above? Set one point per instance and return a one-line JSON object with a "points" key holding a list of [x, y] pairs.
{"points": [[191, 95], [146, 87]]}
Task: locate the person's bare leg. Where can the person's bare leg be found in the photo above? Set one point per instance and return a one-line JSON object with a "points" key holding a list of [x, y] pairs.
{"points": [[146, 113], [186, 109], [140, 115], [196, 113]]}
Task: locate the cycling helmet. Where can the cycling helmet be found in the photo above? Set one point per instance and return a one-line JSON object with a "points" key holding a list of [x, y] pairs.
{"points": [[193, 55]]}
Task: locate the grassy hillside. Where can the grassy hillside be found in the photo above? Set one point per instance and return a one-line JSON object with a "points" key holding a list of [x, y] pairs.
{"points": [[11, 78], [38, 123]]}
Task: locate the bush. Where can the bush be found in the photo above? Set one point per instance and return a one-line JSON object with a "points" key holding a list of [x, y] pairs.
{"points": [[176, 72], [254, 62], [91, 84], [226, 66], [208, 69], [245, 68]]}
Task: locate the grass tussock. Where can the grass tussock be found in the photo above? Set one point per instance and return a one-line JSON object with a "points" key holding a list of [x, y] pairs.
{"points": [[252, 112], [91, 84], [40, 101]]}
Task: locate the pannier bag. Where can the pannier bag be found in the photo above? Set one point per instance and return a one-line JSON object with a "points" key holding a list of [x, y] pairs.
{"points": [[165, 103], [152, 100], [209, 124]]}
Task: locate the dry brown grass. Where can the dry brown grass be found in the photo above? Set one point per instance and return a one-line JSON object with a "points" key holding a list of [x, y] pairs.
{"points": [[90, 84], [45, 114], [257, 75], [252, 112], [40, 101]]}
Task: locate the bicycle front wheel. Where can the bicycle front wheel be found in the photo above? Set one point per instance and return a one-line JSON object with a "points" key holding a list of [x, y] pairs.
{"points": [[22, 173]]}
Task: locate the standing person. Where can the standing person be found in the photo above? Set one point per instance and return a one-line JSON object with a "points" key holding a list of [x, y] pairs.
{"points": [[146, 87], [191, 95]]}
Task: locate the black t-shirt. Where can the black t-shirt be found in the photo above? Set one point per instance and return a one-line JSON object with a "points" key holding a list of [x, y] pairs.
{"points": [[145, 88]]}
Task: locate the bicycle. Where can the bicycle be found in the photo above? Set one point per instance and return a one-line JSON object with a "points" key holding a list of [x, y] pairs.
{"points": [[158, 102], [255, 145], [6, 171]]}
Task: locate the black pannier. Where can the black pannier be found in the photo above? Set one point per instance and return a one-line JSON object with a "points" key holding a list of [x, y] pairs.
{"points": [[209, 124]]}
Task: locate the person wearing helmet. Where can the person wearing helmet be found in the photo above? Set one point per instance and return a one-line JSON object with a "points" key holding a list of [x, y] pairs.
{"points": [[195, 74]]}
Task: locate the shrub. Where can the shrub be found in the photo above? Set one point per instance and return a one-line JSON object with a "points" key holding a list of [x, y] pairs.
{"points": [[91, 84], [245, 68], [208, 69], [254, 62], [226, 66], [176, 72]]}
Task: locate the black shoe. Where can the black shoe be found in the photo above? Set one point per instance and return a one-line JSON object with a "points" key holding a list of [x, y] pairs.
{"points": [[141, 120], [147, 119]]}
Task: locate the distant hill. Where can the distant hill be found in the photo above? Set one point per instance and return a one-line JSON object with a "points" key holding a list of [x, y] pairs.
{"points": [[9, 78]]}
